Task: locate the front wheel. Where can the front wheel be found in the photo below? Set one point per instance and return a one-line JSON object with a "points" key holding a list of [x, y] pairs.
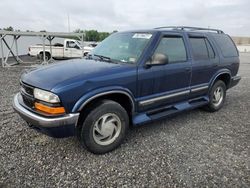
{"points": [[217, 97], [105, 127]]}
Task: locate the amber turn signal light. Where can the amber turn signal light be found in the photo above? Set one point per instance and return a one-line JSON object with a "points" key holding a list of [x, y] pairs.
{"points": [[48, 109]]}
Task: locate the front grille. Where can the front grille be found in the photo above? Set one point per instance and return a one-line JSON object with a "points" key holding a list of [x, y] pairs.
{"points": [[27, 95], [27, 89]]}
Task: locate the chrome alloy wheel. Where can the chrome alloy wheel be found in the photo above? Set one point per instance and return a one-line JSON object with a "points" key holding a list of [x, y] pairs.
{"points": [[106, 129], [218, 96]]}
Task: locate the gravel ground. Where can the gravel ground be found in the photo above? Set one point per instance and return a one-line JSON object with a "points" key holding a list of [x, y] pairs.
{"points": [[193, 149]]}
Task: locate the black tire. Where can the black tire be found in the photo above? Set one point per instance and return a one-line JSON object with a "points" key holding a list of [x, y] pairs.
{"points": [[88, 129], [212, 106], [47, 56]]}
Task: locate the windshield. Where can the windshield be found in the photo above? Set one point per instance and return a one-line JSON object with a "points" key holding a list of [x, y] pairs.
{"points": [[123, 47]]}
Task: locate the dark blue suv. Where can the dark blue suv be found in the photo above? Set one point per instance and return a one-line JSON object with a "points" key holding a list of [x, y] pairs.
{"points": [[130, 78]]}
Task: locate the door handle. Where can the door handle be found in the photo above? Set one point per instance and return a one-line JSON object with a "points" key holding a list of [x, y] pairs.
{"points": [[66, 49], [188, 69]]}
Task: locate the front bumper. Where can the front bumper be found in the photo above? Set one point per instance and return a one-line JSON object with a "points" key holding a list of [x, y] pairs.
{"points": [[62, 126]]}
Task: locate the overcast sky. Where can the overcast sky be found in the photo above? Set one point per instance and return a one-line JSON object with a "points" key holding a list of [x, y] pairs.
{"points": [[232, 16]]}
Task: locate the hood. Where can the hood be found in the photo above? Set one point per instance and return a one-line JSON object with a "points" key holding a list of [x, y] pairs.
{"points": [[70, 72]]}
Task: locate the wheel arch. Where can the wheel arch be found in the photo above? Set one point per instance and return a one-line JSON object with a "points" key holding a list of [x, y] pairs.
{"points": [[46, 51], [124, 98], [115, 94], [224, 76]]}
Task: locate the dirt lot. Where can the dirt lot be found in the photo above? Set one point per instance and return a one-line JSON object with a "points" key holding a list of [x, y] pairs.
{"points": [[193, 149]]}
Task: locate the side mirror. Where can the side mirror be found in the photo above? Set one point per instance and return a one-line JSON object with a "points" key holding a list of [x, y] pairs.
{"points": [[157, 59]]}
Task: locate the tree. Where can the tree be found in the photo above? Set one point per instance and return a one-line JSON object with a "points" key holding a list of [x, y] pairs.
{"points": [[78, 31], [92, 35], [103, 35], [10, 28]]}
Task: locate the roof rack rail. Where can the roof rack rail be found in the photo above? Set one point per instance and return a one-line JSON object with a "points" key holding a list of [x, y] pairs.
{"points": [[190, 28]]}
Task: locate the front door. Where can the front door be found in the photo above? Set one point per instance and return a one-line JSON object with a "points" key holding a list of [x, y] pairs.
{"points": [[162, 84], [72, 49], [68, 49]]}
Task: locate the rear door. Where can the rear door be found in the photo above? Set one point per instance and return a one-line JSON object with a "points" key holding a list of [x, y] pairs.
{"points": [[204, 64], [160, 85]]}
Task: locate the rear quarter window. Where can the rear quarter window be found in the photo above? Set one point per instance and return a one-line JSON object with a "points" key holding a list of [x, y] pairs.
{"points": [[226, 45]]}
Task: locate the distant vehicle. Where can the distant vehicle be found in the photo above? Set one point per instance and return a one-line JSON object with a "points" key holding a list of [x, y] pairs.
{"points": [[87, 49], [69, 49], [130, 78]]}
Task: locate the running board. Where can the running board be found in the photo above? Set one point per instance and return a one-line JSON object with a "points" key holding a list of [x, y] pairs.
{"points": [[169, 110]]}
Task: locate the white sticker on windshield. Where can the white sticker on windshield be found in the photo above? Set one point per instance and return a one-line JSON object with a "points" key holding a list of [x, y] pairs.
{"points": [[142, 35]]}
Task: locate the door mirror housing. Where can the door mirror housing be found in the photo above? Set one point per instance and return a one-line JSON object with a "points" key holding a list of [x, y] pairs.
{"points": [[157, 59]]}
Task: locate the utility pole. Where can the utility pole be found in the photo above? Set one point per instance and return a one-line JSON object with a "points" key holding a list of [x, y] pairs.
{"points": [[68, 24]]}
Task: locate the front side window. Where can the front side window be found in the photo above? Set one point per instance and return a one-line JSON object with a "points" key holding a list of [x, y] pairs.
{"points": [[124, 47], [173, 48], [72, 44]]}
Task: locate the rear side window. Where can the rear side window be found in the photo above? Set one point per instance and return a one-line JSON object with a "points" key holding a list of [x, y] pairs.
{"points": [[226, 45], [173, 47], [201, 48]]}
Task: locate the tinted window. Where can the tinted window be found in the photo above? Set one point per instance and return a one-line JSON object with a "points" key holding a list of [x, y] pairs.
{"points": [[199, 48], [226, 45], [210, 49], [173, 47]]}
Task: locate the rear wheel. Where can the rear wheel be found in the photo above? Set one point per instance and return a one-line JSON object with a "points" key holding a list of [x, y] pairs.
{"points": [[104, 128], [47, 56], [217, 96]]}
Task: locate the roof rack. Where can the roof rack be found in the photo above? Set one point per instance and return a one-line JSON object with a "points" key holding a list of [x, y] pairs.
{"points": [[185, 28]]}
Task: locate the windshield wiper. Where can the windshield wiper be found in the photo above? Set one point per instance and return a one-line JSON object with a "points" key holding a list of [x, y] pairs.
{"points": [[104, 58]]}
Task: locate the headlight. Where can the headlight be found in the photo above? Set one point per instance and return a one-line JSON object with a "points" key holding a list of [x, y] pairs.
{"points": [[46, 96]]}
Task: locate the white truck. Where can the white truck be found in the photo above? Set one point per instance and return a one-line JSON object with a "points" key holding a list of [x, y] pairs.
{"points": [[69, 49]]}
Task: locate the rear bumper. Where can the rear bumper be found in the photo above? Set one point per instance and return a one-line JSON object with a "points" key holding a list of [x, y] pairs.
{"points": [[62, 126], [234, 81]]}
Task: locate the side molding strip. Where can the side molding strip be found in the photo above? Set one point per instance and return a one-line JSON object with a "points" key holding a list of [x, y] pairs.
{"points": [[149, 101], [199, 88]]}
